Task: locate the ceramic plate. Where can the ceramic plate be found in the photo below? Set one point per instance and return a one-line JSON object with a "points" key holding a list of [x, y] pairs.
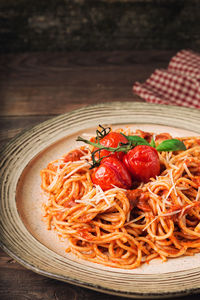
{"points": [[23, 233]]}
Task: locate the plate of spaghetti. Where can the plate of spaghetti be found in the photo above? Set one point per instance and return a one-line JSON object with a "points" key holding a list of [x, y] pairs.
{"points": [[107, 197]]}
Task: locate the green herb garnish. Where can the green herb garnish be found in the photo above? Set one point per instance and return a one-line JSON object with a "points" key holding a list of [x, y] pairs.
{"points": [[171, 145], [153, 144], [136, 140]]}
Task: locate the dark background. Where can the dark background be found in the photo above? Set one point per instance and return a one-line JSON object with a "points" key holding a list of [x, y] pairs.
{"points": [[60, 55], [87, 25]]}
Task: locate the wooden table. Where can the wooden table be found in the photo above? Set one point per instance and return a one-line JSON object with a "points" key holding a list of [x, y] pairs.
{"points": [[35, 87]]}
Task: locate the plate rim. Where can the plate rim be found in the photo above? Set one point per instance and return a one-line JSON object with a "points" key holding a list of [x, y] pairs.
{"points": [[18, 137]]}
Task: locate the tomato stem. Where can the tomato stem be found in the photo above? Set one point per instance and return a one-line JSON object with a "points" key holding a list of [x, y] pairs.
{"points": [[121, 148], [103, 132]]}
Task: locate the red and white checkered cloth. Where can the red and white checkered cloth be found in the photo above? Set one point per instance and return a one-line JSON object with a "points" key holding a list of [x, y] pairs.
{"points": [[178, 85]]}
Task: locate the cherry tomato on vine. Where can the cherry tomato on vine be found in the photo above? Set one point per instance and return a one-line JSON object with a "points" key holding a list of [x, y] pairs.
{"points": [[142, 162], [112, 172], [112, 139]]}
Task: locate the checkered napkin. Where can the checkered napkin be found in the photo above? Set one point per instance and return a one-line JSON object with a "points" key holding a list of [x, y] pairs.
{"points": [[177, 85]]}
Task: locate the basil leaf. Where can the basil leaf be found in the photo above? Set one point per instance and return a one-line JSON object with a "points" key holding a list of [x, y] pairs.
{"points": [[136, 140], [171, 145], [153, 144]]}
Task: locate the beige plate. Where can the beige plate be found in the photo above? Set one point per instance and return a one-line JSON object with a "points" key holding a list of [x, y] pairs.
{"points": [[23, 233]]}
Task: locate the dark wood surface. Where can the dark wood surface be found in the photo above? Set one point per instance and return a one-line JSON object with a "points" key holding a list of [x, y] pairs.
{"points": [[35, 87]]}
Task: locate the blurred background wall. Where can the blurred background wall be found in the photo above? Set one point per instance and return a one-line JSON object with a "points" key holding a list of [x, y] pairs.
{"points": [[62, 25]]}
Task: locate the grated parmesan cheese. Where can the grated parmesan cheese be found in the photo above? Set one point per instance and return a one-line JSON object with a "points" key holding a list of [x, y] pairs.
{"points": [[168, 156], [102, 194], [187, 170], [135, 220], [198, 194], [153, 194], [75, 170], [150, 223], [99, 195], [53, 183], [172, 181], [162, 215]]}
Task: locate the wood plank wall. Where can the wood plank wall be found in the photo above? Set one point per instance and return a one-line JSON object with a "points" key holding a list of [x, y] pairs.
{"points": [[63, 25]]}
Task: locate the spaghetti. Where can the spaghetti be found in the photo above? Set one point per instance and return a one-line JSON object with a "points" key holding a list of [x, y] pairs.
{"points": [[126, 228]]}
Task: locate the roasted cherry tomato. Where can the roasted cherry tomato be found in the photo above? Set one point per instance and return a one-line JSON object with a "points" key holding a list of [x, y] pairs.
{"points": [[162, 137], [112, 172], [112, 139], [142, 162], [73, 155], [139, 199]]}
